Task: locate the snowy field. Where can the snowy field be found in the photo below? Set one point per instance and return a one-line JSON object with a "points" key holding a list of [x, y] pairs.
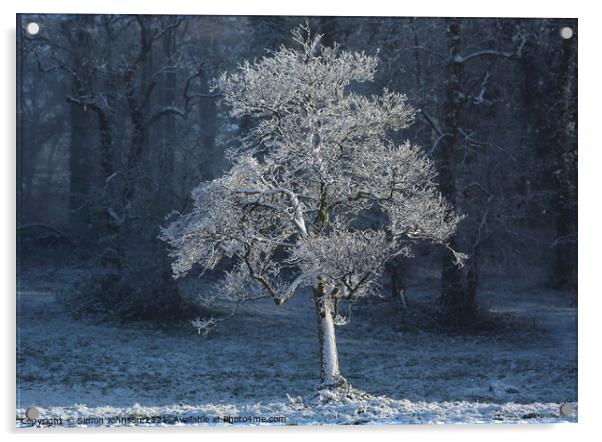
{"points": [[263, 364]]}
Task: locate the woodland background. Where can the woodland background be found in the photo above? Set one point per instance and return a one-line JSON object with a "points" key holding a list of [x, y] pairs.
{"points": [[118, 122]]}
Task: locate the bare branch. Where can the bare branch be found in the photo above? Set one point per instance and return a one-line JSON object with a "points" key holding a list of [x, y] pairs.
{"points": [[169, 110]]}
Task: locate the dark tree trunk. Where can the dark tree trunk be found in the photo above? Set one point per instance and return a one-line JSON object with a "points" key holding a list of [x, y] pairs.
{"points": [[82, 122], [208, 118], [168, 126], [107, 154], [24, 180], [565, 173], [457, 296], [138, 94], [396, 271]]}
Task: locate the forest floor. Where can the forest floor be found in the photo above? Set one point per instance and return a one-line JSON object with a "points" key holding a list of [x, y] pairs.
{"points": [[263, 363]]}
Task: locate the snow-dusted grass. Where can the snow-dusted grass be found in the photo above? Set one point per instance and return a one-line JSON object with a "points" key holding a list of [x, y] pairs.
{"points": [[264, 362], [370, 410]]}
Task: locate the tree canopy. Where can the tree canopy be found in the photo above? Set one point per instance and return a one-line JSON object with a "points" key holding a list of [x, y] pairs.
{"points": [[295, 206]]}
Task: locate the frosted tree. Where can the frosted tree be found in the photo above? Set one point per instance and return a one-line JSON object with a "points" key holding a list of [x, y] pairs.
{"points": [[318, 195]]}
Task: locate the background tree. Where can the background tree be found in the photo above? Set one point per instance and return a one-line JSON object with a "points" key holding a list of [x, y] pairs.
{"points": [[293, 210], [515, 149]]}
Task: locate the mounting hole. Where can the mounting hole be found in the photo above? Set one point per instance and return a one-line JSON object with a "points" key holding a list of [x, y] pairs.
{"points": [[32, 413], [566, 410], [32, 28], [566, 32]]}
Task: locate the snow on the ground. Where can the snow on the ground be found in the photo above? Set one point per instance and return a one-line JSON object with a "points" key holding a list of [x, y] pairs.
{"points": [[371, 410], [264, 362]]}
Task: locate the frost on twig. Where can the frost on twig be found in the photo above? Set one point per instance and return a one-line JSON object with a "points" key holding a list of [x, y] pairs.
{"points": [[204, 326]]}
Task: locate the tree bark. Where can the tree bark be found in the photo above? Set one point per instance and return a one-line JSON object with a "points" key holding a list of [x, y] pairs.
{"points": [[565, 173], [457, 296], [208, 118], [168, 128], [330, 375], [82, 122], [107, 153], [79, 149]]}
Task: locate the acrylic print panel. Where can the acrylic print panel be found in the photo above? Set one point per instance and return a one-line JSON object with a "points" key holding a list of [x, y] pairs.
{"points": [[230, 220]]}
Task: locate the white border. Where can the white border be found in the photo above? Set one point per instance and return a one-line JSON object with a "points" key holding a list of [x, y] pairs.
{"points": [[590, 162], [460, 8]]}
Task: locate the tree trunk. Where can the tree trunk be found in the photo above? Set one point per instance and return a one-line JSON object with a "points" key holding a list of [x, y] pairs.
{"points": [[565, 173], [396, 271], [82, 123], [208, 117], [168, 130], [79, 149], [330, 375], [107, 153], [23, 180], [457, 296]]}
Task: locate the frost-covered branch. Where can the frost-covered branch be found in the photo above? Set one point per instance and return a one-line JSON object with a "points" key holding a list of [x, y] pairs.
{"points": [[317, 160]]}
